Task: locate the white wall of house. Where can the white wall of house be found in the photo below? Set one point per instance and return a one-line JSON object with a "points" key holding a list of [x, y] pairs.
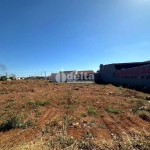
{"points": [[53, 77]]}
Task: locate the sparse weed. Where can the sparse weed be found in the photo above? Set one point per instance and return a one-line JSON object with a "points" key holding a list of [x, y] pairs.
{"points": [[140, 101], [54, 123], [113, 110], [76, 101], [67, 106], [43, 102], [67, 121], [92, 111], [4, 92], [148, 108], [121, 88], [38, 113], [145, 115], [24, 95], [87, 84], [86, 145], [87, 135], [37, 103], [61, 102], [95, 105], [65, 142], [135, 109], [10, 105], [83, 115], [30, 103], [102, 115], [68, 95], [104, 87], [84, 101], [27, 124], [73, 108], [14, 121], [100, 126]]}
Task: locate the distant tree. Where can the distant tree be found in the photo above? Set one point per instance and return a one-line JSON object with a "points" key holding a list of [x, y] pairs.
{"points": [[3, 78], [12, 76]]}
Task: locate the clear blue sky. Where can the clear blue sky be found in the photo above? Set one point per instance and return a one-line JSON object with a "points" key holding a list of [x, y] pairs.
{"points": [[46, 35]]}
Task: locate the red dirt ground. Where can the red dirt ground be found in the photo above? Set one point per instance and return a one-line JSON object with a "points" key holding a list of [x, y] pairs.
{"points": [[82, 110]]}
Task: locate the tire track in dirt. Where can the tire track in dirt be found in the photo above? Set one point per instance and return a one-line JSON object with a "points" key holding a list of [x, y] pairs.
{"points": [[109, 123], [115, 129], [124, 124], [115, 126], [17, 137], [103, 133], [134, 122], [76, 133], [47, 116]]}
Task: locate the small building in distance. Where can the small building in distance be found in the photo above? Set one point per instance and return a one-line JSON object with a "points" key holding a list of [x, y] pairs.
{"points": [[53, 77]]}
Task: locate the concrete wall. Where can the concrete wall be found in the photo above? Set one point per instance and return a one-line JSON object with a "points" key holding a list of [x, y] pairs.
{"points": [[134, 76]]}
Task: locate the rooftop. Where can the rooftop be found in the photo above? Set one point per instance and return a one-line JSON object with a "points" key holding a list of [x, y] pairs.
{"points": [[85, 71], [119, 66]]}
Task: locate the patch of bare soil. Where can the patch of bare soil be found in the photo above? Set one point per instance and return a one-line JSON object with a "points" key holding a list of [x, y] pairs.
{"points": [[42, 115]]}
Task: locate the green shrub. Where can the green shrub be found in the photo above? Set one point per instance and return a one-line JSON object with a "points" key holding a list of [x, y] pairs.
{"points": [[14, 121], [3, 78], [11, 122]]}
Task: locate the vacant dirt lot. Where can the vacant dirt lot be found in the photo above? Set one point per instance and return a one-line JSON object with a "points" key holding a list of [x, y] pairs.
{"points": [[43, 115]]}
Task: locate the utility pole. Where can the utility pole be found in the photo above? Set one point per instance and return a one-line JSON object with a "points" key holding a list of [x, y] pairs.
{"points": [[6, 74], [45, 74]]}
